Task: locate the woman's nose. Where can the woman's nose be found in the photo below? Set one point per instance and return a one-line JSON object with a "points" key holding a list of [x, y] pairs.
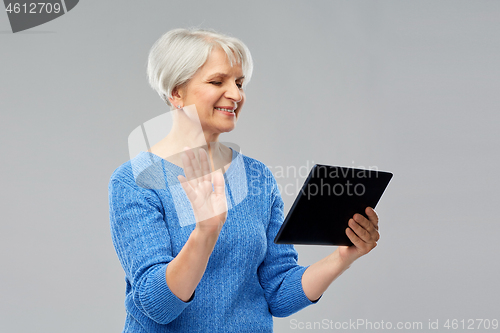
{"points": [[233, 92]]}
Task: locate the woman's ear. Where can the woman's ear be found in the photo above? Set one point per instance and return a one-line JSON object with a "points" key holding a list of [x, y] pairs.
{"points": [[176, 98]]}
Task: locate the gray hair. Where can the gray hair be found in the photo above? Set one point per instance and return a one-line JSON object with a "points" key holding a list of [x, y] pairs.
{"points": [[177, 55]]}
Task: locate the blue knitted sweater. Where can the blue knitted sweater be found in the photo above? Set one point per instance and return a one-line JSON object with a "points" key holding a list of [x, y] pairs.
{"points": [[248, 278]]}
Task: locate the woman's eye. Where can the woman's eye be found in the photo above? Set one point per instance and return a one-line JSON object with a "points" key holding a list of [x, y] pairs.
{"points": [[239, 85], [217, 83]]}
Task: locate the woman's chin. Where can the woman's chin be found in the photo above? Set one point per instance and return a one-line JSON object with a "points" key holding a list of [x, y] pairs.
{"points": [[227, 127]]}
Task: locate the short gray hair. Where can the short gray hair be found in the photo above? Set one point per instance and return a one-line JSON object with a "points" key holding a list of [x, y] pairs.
{"points": [[177, 55]]}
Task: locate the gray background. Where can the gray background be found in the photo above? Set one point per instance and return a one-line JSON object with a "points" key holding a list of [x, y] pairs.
{"points": [[407, 86]]}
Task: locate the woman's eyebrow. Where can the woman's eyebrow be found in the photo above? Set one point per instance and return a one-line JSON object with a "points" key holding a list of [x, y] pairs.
{"points": [[224, 75]]}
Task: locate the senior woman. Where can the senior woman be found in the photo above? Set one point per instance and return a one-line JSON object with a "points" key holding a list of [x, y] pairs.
{"points": [[194, 228]]}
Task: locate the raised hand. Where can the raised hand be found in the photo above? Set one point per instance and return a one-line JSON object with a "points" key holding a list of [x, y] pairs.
{"points": [[209, 207]]}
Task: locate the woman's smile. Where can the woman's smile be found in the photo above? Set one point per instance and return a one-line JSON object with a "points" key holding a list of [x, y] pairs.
{"points": [[229, 111]]}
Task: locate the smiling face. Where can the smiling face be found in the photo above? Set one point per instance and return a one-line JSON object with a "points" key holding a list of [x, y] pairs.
{"points": [[216, 91]]}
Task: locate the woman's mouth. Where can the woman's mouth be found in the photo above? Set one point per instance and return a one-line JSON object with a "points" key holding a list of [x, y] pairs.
{"points": [[228, 111]]}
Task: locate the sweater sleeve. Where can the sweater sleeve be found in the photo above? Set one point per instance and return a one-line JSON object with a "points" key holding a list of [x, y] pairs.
{"points": [[279, 274], [142, 242]]}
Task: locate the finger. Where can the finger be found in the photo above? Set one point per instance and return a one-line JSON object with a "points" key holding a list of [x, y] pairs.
{"points": [[354, 238], [364, 222], [359, 230], [368, 226], [219, 183], [220, 203], [359, 243], [196, 167], [205, 167], [186, 163], [187, 188], [193, 162], [372, 215]]}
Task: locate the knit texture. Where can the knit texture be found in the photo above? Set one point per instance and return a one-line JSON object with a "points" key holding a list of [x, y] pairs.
{"points": [[248, 278]]}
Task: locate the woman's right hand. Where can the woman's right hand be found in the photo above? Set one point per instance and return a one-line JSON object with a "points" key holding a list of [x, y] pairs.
{"points": [[209, 207]]}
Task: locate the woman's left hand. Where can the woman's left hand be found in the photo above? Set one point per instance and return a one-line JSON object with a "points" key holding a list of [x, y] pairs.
{"points": [[363, 233]]}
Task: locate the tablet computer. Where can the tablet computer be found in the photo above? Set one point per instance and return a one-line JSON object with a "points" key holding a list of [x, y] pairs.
{"points": [[330, 196]]}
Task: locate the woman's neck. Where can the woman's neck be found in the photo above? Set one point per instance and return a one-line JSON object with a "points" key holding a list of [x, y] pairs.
{"points": [[171, 147], [187, 132]]}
